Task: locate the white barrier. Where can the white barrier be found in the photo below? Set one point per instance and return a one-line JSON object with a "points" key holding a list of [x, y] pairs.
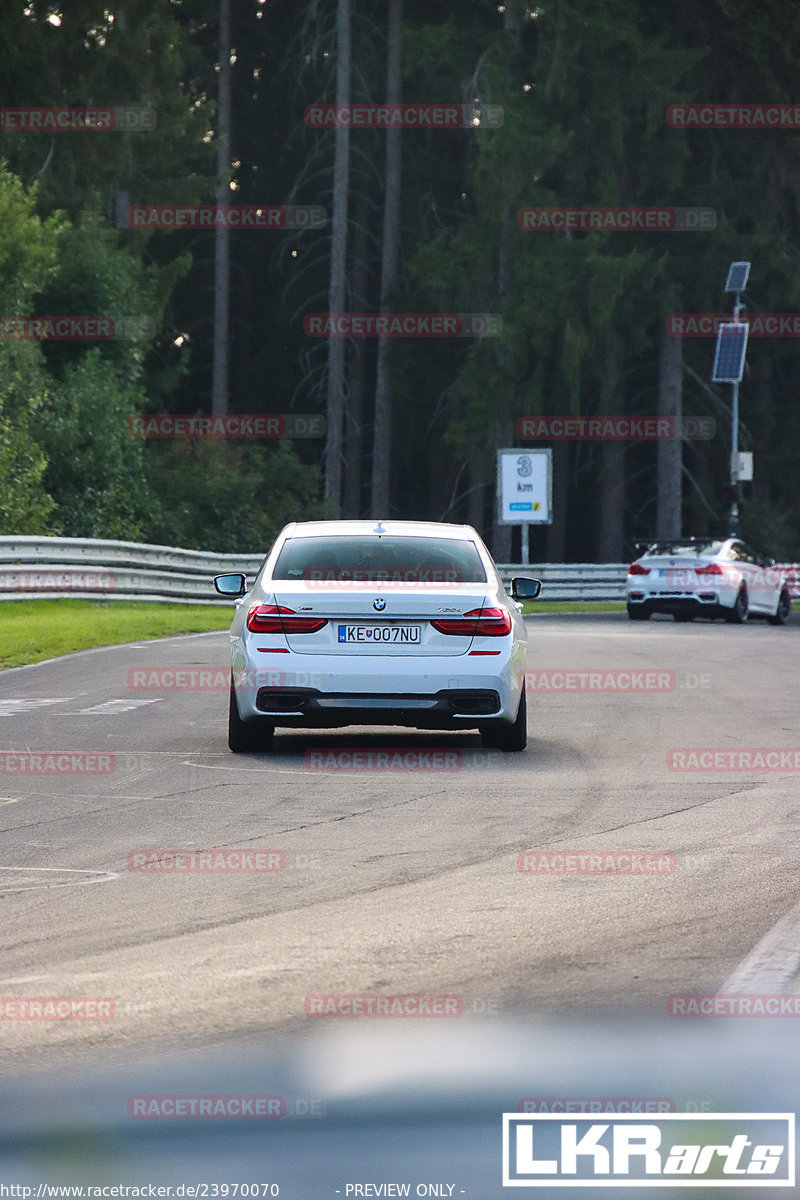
{"points": [[38, 568]]}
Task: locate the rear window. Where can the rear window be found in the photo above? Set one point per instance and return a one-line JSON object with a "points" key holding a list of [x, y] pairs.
{"points": [[380, 559], [704, 548]]}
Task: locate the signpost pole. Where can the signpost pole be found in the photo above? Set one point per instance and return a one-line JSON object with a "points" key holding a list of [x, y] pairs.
{"points": [[729, 368], [734, 517], [526, 549]]}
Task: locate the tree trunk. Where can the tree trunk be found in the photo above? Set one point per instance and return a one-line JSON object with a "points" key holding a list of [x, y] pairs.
{"points": [[353, 443], [222, 251], [669, 453], [557, 530], [382, 434], [610, 541], [337, 346], [504, 427]]}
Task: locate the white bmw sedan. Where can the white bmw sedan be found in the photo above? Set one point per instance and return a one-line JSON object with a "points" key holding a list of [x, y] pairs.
{"points": [[396, 623], [706, 578]]}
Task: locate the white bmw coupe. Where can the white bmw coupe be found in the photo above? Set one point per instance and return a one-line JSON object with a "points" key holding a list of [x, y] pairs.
{"points": [[706, 578]]}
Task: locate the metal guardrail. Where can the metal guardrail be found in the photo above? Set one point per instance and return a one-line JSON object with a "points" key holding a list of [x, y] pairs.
{"points": [[33, 568]]}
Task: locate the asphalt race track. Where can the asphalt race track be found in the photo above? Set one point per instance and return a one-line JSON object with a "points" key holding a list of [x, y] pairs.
{"points": [[402, 881]]}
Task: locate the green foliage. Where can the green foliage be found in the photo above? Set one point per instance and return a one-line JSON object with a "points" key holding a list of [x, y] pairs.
{"points": [[584, 86], [225, 496], [32, 630], [25, 506], [772, 528], [95, 470]]}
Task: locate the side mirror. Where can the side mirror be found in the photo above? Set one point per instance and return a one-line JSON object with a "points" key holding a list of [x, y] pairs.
{"points": [[231, 586], [525, 589], [766, 562]]}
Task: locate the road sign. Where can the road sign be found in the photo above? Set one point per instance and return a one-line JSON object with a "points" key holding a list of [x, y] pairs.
{"points": [[525, 487]]}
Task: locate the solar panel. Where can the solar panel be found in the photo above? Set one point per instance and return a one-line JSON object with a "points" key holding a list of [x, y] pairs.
{"points": [[731, 347], [737, 277]]}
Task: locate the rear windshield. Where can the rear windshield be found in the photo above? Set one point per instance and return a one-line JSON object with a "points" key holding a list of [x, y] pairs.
{"points": [[704, 548], [376, 559]]}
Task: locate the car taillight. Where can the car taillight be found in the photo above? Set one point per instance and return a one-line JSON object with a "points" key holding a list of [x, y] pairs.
{"points": [[275, 618], [711, 569], [479, 622], [635, 569]]}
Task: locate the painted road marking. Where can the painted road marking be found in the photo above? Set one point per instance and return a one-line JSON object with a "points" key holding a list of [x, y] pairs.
{"points": [[98, 877], [773, 965], [111, 707], [10, 707]]}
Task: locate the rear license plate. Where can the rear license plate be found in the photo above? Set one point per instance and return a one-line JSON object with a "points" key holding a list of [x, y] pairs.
{"points": [[381, 634]]}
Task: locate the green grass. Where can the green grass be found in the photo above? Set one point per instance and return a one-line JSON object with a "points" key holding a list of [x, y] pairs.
{"points": [[31, 630], [532, 607]]}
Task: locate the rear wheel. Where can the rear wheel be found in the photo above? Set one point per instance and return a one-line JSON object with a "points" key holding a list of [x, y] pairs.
{"points": [[741, 609], [247, 737], [781, 615], [637, 612], [509, 735]]}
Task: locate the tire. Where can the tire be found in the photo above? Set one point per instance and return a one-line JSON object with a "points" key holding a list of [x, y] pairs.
{"points": [[741, 609], [509, 735], [781, 615], [247, 737], [637, 613], [683, 617]]}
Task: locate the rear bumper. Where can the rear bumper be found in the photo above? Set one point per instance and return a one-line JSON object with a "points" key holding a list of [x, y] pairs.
{"points": [[706, 604], [425, 692], [456, 708]]}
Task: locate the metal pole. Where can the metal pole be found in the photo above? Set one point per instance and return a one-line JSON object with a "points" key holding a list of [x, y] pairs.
{"points": [[735, 459], [526, 552], [734, 470]]}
